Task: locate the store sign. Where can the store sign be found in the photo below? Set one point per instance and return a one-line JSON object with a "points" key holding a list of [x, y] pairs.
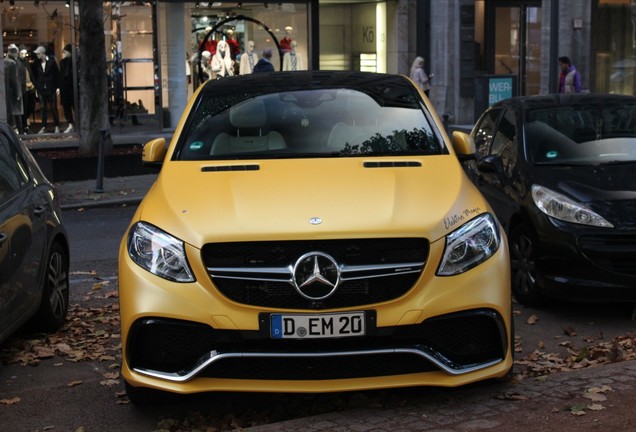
{"points": [[499, 89]]}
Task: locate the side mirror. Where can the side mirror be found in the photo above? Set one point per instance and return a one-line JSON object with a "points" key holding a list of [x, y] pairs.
{"points": [[154, 152], [491, 164], [464, 146]]}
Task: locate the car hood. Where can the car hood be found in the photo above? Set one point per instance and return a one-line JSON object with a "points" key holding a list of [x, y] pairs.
{"points": [[609, 190], [201, 202]]}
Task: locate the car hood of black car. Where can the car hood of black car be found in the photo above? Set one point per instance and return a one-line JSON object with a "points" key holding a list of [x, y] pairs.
{"points": [[609, 190]]}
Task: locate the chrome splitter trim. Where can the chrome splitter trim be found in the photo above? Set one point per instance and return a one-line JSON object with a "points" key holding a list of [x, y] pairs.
{"points": [[215, 356]]}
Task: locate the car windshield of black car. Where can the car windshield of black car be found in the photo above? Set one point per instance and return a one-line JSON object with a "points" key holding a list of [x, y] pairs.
{"points": [[581, 134]]}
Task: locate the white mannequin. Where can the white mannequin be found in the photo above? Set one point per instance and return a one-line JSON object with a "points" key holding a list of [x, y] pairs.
{"points": [[248, 59], [205, 64], [222, 61], [292, 60]]}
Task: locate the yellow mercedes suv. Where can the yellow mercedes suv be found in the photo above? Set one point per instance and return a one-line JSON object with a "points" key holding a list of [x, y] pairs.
{"points": [[312, 232]]}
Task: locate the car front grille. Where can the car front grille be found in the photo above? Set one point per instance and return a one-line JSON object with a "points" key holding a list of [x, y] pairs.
{"points": [[260, 273], [456, 343], [614, 253]]}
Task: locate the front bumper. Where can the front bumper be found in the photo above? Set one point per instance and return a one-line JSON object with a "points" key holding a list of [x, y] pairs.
{"points": [[188, 338], [585, 264]]}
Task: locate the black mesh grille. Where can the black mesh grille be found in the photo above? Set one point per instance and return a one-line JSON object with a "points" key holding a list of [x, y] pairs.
{"points": [[616, 253], [284, 296], [460, 340], [351, 252]]}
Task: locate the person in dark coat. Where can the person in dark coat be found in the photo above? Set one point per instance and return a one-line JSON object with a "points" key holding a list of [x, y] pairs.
{"points": [[265, 63], [66, 87], [47, 77]]}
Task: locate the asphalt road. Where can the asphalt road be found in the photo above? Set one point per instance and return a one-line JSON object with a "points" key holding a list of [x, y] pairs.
{"points": [[62, 395]]}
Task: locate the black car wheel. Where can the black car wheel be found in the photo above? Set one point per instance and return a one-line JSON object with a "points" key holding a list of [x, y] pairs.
{"points": [[525, 286], [55, 290]]}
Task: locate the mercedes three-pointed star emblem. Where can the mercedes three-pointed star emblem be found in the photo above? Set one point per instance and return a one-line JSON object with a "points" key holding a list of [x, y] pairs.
{"points": [[316, 275]]}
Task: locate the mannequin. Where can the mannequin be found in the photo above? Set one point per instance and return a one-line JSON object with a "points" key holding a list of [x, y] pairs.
{"points": [[292, 60], [29, 98], [66, 87], [286, 41], [248, 59], [222, 63], [206, 69], [15, 88], [46, 75]]}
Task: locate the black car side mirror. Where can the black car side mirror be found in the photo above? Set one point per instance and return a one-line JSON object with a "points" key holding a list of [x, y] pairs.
{"points": [[491, 164]]}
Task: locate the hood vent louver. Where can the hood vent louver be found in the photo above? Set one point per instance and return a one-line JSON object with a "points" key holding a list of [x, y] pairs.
{"points": [[403, 164], [231, 168]]}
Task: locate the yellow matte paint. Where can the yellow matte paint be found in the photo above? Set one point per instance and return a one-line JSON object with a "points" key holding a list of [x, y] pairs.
{"points": [[275, 202]]}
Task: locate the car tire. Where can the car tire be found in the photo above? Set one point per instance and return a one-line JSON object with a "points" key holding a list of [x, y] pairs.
{"points": [[523, 262], [55, 290]]}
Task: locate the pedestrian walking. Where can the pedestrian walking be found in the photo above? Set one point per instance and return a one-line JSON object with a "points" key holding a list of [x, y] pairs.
{"points": [[570, 78], [420, 77]]}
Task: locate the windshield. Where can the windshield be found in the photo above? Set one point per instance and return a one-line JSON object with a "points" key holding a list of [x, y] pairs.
{"points": [[582, 134], [324, 122]]}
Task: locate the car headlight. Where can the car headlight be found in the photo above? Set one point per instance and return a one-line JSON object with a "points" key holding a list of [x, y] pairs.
{"points": [[563, 208], [470, 245], [159, 253]]}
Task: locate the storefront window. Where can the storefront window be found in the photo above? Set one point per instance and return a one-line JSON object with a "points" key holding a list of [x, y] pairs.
{"points": [[614, 33], [27, 25], [232, 37], [131, 66], [353, 36]]}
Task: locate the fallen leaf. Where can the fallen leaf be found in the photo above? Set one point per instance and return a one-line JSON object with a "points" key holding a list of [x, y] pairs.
{"points": [[595, 407], [578, 409], [74, 383], [11, 401], [532, 319], [568, 330], [541, 345], [595, 397], [511, 396]]}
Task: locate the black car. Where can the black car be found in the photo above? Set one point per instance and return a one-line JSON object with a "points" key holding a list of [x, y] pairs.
{"points": [[560, 173], [34, 255]]}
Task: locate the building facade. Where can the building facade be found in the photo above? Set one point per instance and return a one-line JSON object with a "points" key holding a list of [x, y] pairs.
{"points": [[477, 51]]}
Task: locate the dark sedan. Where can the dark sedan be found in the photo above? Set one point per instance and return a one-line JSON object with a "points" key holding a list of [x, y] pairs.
{"points": [[559, 171], [34, 257]]}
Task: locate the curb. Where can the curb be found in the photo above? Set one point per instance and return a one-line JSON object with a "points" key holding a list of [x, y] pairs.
{"points": [[104, 203]]}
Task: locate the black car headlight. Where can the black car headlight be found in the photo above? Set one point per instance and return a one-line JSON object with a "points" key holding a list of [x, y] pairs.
{"points": [[563, 208], [159, 253], [470, 245]]}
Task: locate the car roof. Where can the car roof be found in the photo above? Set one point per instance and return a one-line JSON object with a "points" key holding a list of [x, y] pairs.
{"points": [[552, 100], [274, 82]]}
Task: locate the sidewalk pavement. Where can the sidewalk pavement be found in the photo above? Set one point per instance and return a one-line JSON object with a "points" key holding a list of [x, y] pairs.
{"points": [[116, 191], [593, 398]]}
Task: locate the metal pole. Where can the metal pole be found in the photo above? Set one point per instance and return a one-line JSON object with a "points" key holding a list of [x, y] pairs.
{"points": [[99, 187], [553, 81]]}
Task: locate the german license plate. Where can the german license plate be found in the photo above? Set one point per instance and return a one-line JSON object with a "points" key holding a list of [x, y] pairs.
{"points": [[305, 326]]}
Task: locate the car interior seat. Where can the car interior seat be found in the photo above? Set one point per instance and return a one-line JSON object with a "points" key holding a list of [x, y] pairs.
{"points": [[249, 119], [361, 124]]}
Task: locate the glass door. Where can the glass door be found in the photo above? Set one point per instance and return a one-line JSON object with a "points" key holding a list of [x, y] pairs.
{"points": [[517, 43]]}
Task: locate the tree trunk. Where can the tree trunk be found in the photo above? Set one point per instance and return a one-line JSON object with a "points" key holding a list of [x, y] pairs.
{"points": [[93, 80]]}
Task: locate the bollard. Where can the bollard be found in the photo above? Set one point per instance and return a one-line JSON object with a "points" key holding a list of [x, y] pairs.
{"points": [[99, 187]]}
